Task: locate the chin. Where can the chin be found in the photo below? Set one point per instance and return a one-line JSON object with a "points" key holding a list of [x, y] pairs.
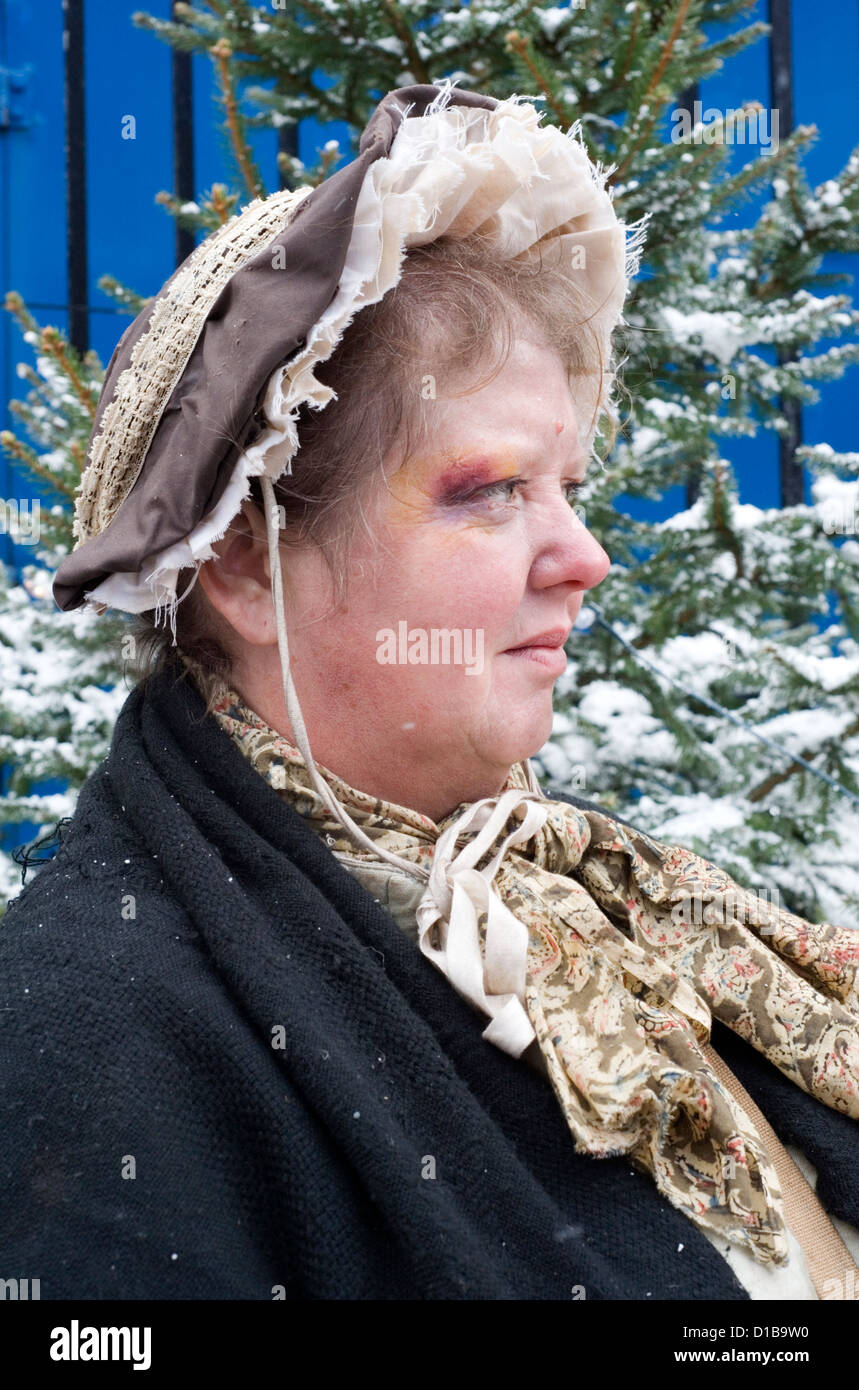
{"points": [[526, 735]]}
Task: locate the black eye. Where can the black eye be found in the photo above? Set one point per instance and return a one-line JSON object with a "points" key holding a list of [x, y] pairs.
{"points": [[503, 489]]}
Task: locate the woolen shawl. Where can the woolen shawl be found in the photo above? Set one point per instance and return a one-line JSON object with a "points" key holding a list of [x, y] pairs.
{"points": [[260, 1169], [614, 951], [190, 921]]}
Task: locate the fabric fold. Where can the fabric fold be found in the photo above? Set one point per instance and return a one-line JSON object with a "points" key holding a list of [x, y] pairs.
{"points": [[615, 952]]}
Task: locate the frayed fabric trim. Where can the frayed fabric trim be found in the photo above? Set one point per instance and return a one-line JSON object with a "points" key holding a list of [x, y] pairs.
{"points": [[455, 171]]}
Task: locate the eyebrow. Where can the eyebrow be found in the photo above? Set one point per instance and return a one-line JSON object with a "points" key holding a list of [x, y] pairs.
{"points": [[475, 467], [469, 474]]}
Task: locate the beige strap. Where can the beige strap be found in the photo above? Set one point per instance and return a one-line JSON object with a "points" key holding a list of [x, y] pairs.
{"points": [[825, 1253]]}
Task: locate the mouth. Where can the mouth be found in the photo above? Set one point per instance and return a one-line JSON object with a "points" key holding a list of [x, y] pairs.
{"points": [[546, 650]]}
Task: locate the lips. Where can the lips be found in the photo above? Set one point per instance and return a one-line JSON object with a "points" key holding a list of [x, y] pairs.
{"points": [[545, 651], [554, 638]]}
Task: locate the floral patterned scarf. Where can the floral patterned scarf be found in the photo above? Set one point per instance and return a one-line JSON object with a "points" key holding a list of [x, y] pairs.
{"points": [[614, 951]]}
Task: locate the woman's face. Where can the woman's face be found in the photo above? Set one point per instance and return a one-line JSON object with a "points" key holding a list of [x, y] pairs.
{"points": [[475, 539]]}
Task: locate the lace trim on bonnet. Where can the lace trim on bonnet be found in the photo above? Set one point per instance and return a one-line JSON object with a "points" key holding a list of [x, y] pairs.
{"points": [[454, 171]]}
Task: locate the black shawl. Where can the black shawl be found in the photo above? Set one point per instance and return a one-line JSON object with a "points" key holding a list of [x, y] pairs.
{"points": [[226, 1073]]}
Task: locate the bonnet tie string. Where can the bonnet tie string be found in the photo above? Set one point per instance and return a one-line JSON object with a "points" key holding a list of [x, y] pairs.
{"points": [[492, 976], [458, 895], [293, 709]]}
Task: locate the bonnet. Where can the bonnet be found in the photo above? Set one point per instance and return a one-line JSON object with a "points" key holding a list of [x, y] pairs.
{"points": [[204, 389]]}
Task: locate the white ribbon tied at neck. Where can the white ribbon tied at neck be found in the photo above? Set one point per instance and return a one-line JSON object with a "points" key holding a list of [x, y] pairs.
{"points": [[492, 979]]}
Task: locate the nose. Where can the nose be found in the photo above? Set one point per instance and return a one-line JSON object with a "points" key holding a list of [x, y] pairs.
{"points": [[565, 552]]}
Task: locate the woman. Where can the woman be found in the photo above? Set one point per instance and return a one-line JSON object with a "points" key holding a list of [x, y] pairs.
{"points": [[250, 1053]]}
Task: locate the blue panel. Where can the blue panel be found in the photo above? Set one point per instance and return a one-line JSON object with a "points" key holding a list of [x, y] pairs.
{"points": [[32, 202], [743, 78], [826, 94], [215, 162], [129, 159], [825, 45]]}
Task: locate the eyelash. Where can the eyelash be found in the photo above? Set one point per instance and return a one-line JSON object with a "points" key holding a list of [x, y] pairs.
{"points": [[509, 484]]}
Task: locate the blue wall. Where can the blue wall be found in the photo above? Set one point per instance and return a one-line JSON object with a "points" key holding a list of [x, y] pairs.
{"points": [[128, 72]]}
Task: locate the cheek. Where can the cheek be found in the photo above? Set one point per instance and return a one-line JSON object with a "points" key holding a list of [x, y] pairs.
{"points": [[472, 578]]}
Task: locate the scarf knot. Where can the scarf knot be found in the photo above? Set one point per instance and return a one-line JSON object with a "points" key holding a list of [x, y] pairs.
{"points": [[614, 952]]}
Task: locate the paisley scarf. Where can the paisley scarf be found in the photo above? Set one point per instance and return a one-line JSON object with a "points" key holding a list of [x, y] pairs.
{"points": [[614, 951]]}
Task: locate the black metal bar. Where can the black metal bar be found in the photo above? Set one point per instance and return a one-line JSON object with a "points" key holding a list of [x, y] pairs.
{"points": [[791, 474], [688, 97], [76, 209], [287, 143], [183, 140], [781, 64]]}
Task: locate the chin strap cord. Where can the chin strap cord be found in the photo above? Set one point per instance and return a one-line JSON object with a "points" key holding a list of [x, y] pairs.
{"points": [[293, 709]]}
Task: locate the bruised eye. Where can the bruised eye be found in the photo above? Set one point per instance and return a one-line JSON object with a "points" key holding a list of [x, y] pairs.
{"points": [[504, 491]]}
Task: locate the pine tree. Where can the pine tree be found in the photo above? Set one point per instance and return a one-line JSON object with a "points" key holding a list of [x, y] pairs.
{"points": [[60, 678], [712, 694]]}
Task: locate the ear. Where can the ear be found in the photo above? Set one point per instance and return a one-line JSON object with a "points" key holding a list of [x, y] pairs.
{"points": [[237, 582]]}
